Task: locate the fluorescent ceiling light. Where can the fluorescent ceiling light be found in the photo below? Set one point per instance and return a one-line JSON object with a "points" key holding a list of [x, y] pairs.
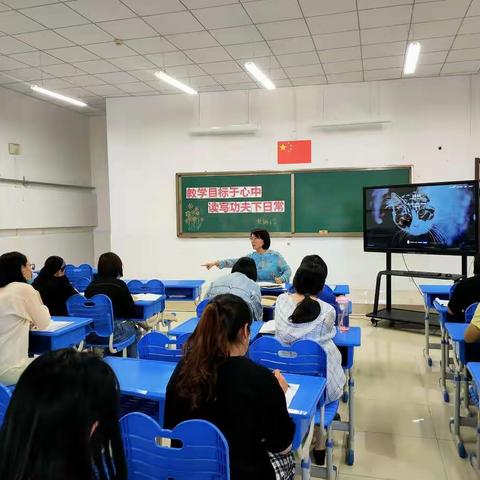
{"points": [[259, 76], [172, 81], [413, 52], [237, 129], [58, 96]]}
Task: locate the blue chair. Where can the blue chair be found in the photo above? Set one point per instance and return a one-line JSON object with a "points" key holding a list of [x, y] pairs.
{"points": [[74, 273], [137, 287], [82, 283], [156, 286], [155, 346], [201, 306], [5, 396], [470, 312], [303, 357], [99, 308], [203, 454]]}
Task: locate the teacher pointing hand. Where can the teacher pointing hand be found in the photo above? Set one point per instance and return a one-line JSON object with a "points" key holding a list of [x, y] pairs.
{"points": [[271, 266]]}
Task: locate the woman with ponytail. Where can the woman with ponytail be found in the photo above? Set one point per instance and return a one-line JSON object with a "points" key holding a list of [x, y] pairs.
{"points": [[302, 316], [216, 382]]}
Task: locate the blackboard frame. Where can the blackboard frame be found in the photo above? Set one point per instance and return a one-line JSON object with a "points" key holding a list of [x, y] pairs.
{"points": [[292, 234]]}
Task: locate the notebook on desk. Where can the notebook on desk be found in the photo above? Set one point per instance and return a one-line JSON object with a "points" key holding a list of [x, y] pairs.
{"points": [[268, 328], [290, 393], [444, 303], [147, 297], [53, 326], [271, 285]]}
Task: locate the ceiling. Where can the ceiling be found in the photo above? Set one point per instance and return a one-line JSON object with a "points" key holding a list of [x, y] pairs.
{"points": [[68, 46]]}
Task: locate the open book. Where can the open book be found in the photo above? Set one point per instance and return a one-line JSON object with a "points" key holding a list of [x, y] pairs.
{"points": [[290, 393], [442, 302], [271, 285], [268, 328], [149, 297], [53, 326]]}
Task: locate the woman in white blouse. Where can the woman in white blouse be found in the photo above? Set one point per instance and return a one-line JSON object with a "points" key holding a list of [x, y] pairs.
{"points": [[21, 309], [302, 316]]}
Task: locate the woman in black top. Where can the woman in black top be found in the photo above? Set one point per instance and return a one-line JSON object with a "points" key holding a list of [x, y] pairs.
{"points": [[107, 282], [216, 382], [464, 293], [54, 287]]}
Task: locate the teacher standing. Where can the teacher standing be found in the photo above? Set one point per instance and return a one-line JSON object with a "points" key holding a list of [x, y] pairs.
{"points": [[271, 266]]}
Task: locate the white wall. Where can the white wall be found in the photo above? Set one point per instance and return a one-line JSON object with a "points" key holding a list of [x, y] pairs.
{"points": [[148, 143], [54, 148]]}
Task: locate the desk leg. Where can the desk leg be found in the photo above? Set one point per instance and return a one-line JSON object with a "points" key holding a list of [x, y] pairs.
{"points": [[455, 421], [475, 457], [444, 365], [305, 469], [427, 334], [350, 454]]}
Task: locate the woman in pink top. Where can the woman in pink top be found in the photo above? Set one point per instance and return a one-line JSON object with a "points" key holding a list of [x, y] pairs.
{"points": [[21, 309]]}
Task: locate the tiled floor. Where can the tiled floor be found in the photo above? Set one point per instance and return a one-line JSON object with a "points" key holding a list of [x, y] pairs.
{"points": [[402, 422]]}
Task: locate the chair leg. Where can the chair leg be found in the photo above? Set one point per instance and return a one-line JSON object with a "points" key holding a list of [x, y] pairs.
{"points": [[329, 455]]}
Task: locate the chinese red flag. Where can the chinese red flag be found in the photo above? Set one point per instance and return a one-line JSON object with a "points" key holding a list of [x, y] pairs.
{"points": [[296, 151]]}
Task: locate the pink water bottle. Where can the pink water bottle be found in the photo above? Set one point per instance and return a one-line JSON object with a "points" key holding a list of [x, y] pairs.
{"points": [[343, 305]]}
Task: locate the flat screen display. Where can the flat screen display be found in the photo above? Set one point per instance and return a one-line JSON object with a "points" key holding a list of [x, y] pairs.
{"points": [[437, 218]]}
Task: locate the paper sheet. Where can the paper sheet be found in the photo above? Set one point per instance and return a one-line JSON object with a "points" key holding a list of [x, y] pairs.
{"points": [[145, 297], [290, 393], [268, 327], [271, 285], [333, 287], [442, 302], [54, 326]]}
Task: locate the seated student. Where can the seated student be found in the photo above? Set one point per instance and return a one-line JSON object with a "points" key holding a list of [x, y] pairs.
{"points": [[54, 287], [241, 282], [326, 293], [215, 381], [62, 421], [21, 309], [464, 293], [302, 316], [107, 282]]}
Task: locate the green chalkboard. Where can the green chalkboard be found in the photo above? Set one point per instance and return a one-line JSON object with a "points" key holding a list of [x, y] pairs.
{"points": [[230, 204], [333, 200]]}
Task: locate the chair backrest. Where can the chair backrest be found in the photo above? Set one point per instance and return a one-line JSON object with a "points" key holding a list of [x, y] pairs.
{"points": [[157, 346], [304, 357], [5, 395], [136, 286], [99, 307], [470, 312], [82, 271], [156, 286], [81, 284], [203, 454], [201, 306]]}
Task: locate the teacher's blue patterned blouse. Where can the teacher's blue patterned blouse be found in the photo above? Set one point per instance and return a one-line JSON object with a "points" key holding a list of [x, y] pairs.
{"points": [[270, 265]]}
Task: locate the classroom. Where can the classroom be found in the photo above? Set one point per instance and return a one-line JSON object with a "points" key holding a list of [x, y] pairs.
{"points": [[239, 239]]}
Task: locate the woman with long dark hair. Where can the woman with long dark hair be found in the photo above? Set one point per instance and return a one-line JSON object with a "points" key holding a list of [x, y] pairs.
{"points": [[216, 382], [21, 309], [54, 287], [62, 421]]}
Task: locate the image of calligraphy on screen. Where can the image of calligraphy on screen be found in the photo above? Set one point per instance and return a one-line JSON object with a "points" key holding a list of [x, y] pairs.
{"points": [[438, 217]]}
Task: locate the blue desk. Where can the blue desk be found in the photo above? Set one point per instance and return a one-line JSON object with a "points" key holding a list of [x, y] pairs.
{"points": [[41, 341], [430, 292], [151, 307], [190, 325], [183, 289], [149, 378], [456, 332], [444, 351]]}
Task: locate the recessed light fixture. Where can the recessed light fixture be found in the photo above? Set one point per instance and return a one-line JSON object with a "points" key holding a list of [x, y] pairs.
{"points": [[411, 59], [176, 83], [259, 76], [58, 96]]}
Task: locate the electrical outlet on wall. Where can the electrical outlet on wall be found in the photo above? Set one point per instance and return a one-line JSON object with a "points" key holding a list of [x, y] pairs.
{"points": [[14, 148]]}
